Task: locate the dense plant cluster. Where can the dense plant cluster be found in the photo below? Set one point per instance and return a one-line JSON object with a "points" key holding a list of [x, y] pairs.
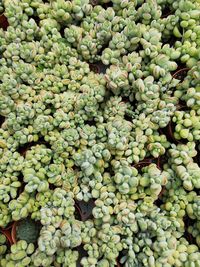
{"points": [[92, 111]]}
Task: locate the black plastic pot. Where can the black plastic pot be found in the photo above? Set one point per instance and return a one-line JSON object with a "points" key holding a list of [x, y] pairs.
{"points": [[98, 67], [143, 163], [85, 209], [180, 74], [3, 22], [161, 161], [146, 162], [95, 68], [7, 233], [82, 253], [166, 12]]}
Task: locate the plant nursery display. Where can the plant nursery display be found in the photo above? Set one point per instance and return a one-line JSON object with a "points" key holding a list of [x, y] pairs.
{"points": [[100, 133]]}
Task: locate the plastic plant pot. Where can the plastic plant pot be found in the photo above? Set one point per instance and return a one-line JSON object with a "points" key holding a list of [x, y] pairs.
{"points": [[170, 133], [162, 192], [169, 129], [197, 158], [2, 119], [94, 2], [26, 147], [78, 212], [8, 235], [147, 162], [181, 107], [98, 67], [188, 222], [82, 253], [13, 233], [27, 230], [3, 22], [102, 67], [166, 12], [9, 227], [143, 163], [85, 209], [95, 68], [180, 74], [160, 162], [166, 15]]}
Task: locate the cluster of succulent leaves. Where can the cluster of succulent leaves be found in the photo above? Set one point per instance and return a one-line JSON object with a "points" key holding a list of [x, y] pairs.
{"points": [[69, 134]]}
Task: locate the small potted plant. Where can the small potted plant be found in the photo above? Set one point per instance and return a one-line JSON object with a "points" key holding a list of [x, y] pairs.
{"points": [[3, 20], [3, 245], [85, 209], [143, 163], [95, 68], [26, 229], [181, 74], [7, 234]]}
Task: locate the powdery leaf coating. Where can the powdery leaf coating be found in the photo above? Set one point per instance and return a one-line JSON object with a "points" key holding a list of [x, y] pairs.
{"points": [[94, 114]]}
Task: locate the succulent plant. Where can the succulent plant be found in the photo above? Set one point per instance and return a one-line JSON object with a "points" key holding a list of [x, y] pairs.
{"points": [[72, 136], [27, 230]]}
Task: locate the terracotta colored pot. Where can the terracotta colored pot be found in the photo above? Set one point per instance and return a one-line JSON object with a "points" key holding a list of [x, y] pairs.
{"points": [[8, 228], [3, 22], [14, 233], [7, 234]]}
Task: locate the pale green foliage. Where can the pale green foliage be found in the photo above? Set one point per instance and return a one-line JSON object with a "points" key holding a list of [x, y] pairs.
{"points": [[88, 96]]}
